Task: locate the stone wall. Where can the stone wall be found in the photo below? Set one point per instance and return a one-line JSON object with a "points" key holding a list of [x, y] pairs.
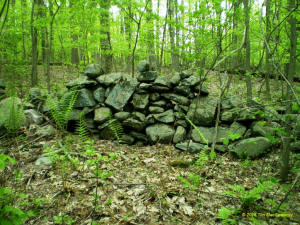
{"points": [[152, 109]]}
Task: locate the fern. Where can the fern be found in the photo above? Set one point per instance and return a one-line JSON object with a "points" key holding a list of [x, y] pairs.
{"points": [[197, 129], [12, 111], [82, 129], [248, 198], [61, 109], [116, 127]]}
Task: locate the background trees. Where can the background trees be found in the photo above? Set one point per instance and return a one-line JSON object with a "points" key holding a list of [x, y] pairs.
{"points": [[170, 33]]}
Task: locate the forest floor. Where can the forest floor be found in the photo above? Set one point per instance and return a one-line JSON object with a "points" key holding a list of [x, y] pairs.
{"points": [[140, 184]]}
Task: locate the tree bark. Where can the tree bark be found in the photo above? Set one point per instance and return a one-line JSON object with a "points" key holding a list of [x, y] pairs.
{"points": [[174, 55], [34, 43], [285, 160], [247, 54], [106, 49], [268, 63]]}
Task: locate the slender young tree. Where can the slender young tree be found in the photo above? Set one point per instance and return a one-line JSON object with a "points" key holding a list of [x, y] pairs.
{"points": [[34, 45], [247, 52], [285, 163], [106, 48]]}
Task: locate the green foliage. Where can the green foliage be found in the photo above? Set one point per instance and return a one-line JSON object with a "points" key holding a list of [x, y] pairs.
{"points": [[202, 159], [63, 219], [9, 214], [82, 129], [61, 109], [192, 181], [116, 127], [12, 111], [248, 198], [231, 137], [196, 128], [224, 214]]}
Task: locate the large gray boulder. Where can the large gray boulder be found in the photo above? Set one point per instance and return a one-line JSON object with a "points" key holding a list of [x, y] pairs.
{"points": [[175, 79], [147, 76], [121, 93], [93, 70], [110, 79], [45, 131], [139, 136], [165, 117], [202, 110], [136, 121], [82, 81], [177, 98], [99, 94], [143, 66], [163, 81], [122, 115], [229, 116], [160, 132], [263, 128], [186, 73], [85, 99], [231, 102], [102, 114], [156, 109], [33, 117], [183, 90], [249, 114], [236, 130], [191, 146], [140, 101], [191, 81], [43, 163], [179, 135], [251, 147]]}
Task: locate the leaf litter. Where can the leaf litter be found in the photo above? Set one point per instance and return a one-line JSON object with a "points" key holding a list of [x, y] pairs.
{"points": [[142, 189]]}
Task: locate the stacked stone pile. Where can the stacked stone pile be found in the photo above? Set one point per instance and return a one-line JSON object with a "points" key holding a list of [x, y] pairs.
{"points": [[152, 109]]}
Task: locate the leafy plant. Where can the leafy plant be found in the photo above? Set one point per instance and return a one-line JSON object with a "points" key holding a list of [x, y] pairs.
{"points": [[248, 198], [224, 214], [12, 114], [192, 181], [63, 219], [232, 137], [82, 129], [197, 129], [61, 109], [116, 127], [9, 214]]}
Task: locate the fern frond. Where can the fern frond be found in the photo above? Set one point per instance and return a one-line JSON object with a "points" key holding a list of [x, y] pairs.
{"points": [[116, 127], [197, 129], [82, 129], [61, 109]]}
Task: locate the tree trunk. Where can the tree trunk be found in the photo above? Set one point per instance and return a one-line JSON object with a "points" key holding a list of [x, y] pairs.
{"points": [[34, 43], [106, 49], [247, 55], [150, 35], [291, 72], [174, 55], [24, 7], [268, 63]]}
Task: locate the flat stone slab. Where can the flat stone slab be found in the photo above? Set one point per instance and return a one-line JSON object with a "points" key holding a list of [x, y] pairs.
{"points": [[121, 93]]}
